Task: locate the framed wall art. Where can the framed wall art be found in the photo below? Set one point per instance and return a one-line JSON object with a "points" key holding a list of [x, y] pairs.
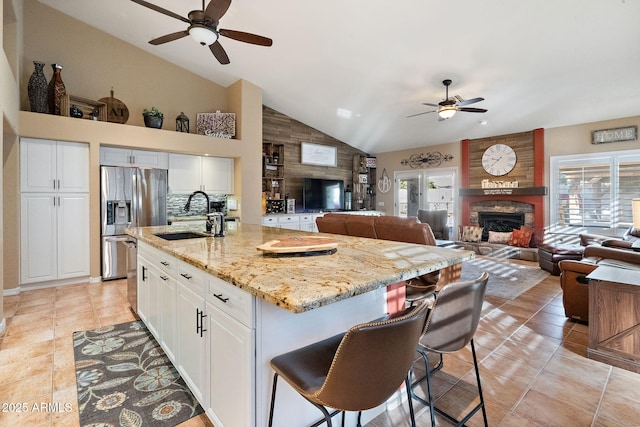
{"points": [[319, 155]]}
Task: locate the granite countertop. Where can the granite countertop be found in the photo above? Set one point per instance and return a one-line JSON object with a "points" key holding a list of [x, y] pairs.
{"points": [[300, 284]]}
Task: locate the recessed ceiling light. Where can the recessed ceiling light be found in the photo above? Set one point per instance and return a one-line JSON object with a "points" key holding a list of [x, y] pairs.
{"points": [[344, 113], [482, 122]]}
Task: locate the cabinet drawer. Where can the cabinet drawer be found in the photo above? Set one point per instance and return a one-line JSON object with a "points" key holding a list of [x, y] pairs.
{"points": [[162, 260], [231, 300], [307, 218], [196, 279], [269, 221], [288, 219]]}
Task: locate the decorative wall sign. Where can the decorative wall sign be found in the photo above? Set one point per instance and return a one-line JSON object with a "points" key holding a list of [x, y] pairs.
{"points": [[221, 125], [629, 133], [384, 183], [117, 112], [370, 162], [319, 155], [429, 161]]}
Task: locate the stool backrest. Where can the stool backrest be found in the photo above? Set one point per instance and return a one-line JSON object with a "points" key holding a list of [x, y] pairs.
{"points": [[372, 361], [454, 317]]}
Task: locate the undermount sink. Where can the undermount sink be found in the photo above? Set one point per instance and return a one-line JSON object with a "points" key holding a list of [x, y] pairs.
{"points": [[182, 235]]}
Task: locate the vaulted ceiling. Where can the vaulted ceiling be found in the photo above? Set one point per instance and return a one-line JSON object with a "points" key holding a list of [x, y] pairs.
{"points": [[356, 69]]}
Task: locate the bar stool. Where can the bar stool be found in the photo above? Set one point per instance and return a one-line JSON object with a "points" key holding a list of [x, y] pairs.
{"points": [[451, 325], [357, 370]]}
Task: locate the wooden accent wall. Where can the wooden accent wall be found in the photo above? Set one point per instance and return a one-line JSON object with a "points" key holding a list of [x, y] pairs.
{"points": [[281, 129]]}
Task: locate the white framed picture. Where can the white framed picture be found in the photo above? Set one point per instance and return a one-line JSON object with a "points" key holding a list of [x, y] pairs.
{"points": [[319, 155]]}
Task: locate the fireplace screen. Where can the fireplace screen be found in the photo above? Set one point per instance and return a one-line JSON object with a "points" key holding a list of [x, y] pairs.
{"points": [[502, 222]]}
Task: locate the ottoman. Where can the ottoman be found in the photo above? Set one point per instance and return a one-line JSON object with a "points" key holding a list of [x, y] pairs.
{"points": [[549, 255]]}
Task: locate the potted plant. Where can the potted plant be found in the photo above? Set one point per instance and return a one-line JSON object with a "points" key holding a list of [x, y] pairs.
{"points": [[152, 118]]}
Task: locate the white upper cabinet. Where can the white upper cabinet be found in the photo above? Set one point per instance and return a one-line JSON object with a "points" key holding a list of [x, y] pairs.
{"points": [[111, 156], [191, 173], [53, 166]]}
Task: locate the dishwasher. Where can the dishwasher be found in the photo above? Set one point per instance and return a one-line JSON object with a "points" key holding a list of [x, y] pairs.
{"points": [[132, 273]]}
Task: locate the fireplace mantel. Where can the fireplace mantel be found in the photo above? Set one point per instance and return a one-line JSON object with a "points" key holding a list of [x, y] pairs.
{"points": [[514, 191]]}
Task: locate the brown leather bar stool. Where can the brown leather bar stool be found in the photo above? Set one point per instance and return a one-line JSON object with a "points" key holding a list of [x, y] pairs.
{"points": [[451, 325], [357, 370]]}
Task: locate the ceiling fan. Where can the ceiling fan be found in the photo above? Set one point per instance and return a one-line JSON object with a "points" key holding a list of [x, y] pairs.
{"points": [[448, 107], [203, 27]]}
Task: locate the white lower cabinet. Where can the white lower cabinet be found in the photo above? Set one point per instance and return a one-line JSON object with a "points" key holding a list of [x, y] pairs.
{"points": [[206, 327], [54, 236], [192, 348]]}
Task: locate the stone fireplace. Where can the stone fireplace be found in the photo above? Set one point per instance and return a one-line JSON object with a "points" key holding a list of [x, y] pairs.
{"points": [[502, 222]]}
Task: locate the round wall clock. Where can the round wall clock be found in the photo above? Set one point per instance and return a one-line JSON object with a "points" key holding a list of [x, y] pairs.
{"points": [[499, 159]]}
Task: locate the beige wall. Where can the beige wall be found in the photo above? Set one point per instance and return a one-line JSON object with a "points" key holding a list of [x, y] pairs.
{"points": [[140, 80], [10, 39]]}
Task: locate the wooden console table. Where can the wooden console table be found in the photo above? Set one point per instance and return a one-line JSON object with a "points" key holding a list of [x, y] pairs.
{"points": [[614, 317]]}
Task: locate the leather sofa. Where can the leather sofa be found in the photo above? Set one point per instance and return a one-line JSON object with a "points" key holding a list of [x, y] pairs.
{"points": [[394, 228], [575, 286]]}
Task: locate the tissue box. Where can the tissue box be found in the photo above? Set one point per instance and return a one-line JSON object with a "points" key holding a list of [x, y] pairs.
{"points": [[222, 125]]}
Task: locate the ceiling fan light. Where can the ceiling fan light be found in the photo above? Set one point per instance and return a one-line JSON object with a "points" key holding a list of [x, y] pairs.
{"points": [[447, 112], [202, 34]]}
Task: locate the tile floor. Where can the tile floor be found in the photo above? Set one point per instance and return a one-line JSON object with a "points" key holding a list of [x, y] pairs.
{"points": [[533, 365]]}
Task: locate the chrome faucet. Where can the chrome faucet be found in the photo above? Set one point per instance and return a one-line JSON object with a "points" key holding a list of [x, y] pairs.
{"points": [[188, 205]]}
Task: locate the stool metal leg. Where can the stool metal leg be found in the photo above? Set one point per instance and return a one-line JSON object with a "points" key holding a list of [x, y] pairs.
{"points": [[273, 398]]}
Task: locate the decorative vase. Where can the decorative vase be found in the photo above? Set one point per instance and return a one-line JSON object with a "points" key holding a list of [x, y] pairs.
{"points": [[37, 89], [56, 90], [153, 121]]}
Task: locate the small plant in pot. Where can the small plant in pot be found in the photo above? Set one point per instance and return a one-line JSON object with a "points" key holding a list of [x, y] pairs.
{"points": [[152, 118]]}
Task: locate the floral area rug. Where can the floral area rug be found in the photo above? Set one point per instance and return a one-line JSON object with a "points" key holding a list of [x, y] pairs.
{"points": [[125, 379]]}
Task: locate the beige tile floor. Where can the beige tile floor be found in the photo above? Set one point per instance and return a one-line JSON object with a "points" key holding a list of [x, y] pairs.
{"points": [[533, 365]]}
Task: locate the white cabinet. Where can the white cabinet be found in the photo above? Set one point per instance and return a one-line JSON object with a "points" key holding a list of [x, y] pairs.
{"points": [[168, 292], [53, 166], [191, 329], [191, 173], [112, 156], [54, 236]]}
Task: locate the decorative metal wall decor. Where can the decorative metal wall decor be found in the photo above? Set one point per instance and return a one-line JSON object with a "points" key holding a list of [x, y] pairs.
{"points": [[384, 183], [429, 160]]}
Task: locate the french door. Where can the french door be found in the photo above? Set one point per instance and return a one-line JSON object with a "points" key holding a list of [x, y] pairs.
{"points": [[433, 190]]}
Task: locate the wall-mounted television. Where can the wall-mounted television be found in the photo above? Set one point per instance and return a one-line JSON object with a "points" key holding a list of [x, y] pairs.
{"points": [[322, 194]]}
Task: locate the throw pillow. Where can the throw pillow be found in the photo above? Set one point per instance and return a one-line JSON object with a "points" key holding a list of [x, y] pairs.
{"points": [[520, 238], [471, 234], [537, 236], [497, 237]]}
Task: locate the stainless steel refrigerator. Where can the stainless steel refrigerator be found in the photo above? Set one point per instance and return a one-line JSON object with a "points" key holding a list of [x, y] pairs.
{"points": [[130, 197]]}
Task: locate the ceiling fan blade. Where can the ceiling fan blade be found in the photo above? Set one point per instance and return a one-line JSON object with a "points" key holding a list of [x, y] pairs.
{"points": [[246, 37], [472, 110], [419, 114], [216, 9], [161, 10], [219, 52], [169, 37], [430, 105], [469, 101]]}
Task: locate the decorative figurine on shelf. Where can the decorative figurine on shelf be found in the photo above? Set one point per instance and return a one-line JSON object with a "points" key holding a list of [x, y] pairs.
{"points": [[182, 123], [152, 118]]}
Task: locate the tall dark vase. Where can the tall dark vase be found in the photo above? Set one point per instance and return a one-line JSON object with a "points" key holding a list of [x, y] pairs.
{"points": [[37, 89], [56, 90]]}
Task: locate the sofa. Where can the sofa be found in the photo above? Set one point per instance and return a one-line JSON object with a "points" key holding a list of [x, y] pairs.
{"points": [[573, 281]]}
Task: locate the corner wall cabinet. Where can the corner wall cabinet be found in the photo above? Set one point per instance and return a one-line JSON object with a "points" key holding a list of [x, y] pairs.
{"points": [[54, 210], [113, 156], [189, 173], [273, 181]]}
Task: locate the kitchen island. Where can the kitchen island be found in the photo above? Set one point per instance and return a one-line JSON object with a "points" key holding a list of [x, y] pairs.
{"points": [[249, 307]]}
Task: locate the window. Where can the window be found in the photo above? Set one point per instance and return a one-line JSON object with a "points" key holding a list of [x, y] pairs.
{"points": [[594, 190]]}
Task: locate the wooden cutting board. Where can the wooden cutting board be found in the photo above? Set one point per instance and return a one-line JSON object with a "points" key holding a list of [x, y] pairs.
{"points": [[289, 245]]}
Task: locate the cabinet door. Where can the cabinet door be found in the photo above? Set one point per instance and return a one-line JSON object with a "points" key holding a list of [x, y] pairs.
{"points": [[150, 159], [72, 168], [184, 173], [38, 249], [168, 314], [73, 235], [37, 165], [154, 311], [110, 156], [143, 288], [217, 175], [191, 340], [231, 360]]}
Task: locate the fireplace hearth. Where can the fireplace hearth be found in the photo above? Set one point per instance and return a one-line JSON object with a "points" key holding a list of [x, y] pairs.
{"points": [[502, 222]]}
